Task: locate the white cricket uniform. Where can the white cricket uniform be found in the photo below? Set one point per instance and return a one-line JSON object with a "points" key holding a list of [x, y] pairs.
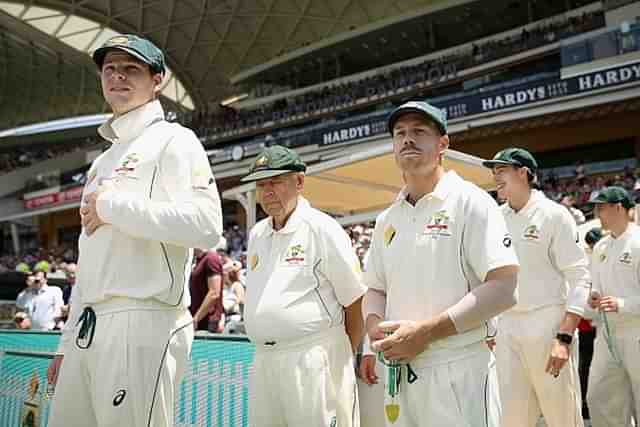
{"points": [[299, 280], [552, 264], [426, 258], [614, 379], [44, 307], [132, 289]]}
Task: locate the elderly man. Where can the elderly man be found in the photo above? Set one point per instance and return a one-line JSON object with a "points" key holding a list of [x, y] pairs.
{"points": [[148, 199], [303, 304], [537, 369], [440, 267], [614, 379]]}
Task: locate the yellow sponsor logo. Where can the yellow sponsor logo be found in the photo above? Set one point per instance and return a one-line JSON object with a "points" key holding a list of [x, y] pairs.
{"points": [[253, 262], [389, 235]]}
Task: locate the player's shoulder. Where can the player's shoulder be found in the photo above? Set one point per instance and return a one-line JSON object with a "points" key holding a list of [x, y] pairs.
{"points": [[259, 229], [182, 138], [320, 222]]}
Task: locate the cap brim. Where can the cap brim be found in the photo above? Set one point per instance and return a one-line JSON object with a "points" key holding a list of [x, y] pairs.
{"points": [[99, 54], [393, 118], [264, 174], [491, 163]]}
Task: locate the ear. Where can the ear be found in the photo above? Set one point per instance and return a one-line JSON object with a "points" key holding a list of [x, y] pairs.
{"points": [[157, 80], [299, 181], [444, 143]]}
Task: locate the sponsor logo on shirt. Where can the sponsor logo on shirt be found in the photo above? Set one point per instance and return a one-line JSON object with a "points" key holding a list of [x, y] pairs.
{"points": [[295, 255], [389, 235], [625, 258], [119, 397], [128, 164], [439, 225], [531, 232], [506, 241], [253, 262]]}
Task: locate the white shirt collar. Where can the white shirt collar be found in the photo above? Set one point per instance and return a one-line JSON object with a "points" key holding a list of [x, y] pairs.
{"points": [[448, 181], [127, 127], [294, 220]]}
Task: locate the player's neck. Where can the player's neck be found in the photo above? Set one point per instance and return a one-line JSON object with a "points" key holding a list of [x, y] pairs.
{"points": [[619, 228], [419, 185], [520, 199], [279, 221]]}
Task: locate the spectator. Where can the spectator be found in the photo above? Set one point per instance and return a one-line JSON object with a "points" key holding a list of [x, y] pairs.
{"points": [[233, 292], [47, 304], [206, 292], [24, 301], [569, 203]]}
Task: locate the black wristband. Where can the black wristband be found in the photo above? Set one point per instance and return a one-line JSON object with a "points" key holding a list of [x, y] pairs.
{"points": [[564, 338]]}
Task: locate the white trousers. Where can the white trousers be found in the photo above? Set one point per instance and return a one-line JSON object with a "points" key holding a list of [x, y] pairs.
{"points": [[306, 383], [522, 351], [452, 389], [614, 385], [129, 374]]}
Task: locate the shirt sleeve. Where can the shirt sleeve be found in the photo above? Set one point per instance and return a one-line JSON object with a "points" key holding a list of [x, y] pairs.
{"points": [[214, 265], [486, 242], [193, 216], [570, 259], [342, 267], [374, 276]]}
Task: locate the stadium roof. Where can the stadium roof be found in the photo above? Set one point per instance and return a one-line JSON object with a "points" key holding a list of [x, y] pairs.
{"points": [[46, 72]]}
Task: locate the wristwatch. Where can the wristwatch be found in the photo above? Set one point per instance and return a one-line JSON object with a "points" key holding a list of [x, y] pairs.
{"points": [[564, 338]]}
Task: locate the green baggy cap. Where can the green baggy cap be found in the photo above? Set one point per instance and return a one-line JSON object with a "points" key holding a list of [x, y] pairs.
{"points": [[613, 194], [518, 157], [273, 161], [135, 46], [434, 113]]}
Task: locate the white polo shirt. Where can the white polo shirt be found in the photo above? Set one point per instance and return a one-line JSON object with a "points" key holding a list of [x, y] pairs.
{"points": [[552, 261], [616, 272], [299, 278], [427, 257], [45, 307]]}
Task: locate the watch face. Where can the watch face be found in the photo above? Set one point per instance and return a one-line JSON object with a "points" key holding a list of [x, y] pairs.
{"points": [[237, 153]]}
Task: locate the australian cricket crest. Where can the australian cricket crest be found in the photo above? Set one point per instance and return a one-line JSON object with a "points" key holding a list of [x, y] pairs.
{"points": [[295, 255], [128, 164], [531, 233], [625, 258], [439, 225]]}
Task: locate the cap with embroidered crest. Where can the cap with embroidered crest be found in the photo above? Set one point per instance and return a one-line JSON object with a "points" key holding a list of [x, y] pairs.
{"points": [[140, 48], [273, 161]]}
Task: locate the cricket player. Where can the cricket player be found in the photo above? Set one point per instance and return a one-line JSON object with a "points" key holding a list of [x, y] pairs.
{"points": [[441, 265], [303, 304], [614, 380], [148, 199], [537, 369]]}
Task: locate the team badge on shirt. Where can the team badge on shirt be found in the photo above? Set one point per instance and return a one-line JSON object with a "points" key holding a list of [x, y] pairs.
{"points": [[439, 225], [128, 164], [532, 232], [295, 255], [389, 235], [625, 258], [253, 262]]}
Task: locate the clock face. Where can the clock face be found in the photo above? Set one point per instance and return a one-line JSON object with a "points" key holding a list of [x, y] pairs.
{"points": [[237, 153]]}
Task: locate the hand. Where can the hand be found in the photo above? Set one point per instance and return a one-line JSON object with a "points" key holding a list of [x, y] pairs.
{"points": [[373, 328], [560, 353], [491, 343], [89, 213], [609, 304], [367, 369], [594, 300], [408, 340], [54, 369]]}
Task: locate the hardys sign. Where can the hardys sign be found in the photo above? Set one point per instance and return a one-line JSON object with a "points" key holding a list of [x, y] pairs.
{"points": [[529, 93], [493, 100]]}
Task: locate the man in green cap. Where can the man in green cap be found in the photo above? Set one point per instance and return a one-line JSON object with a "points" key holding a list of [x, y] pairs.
{"points": [[553, 293], [148, 199], [302, 307], [440, 267], [614, 380]]}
